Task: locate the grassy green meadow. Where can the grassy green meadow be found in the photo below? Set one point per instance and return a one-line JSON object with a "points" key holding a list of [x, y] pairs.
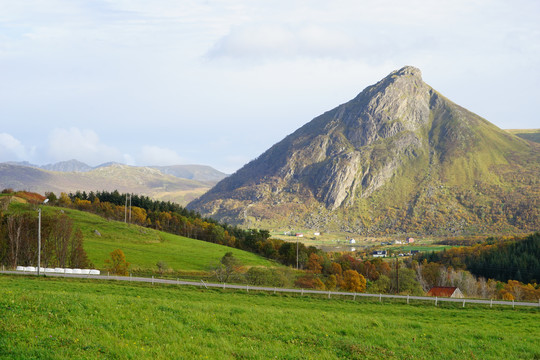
{"points": [[145, 247], [52, 318]]}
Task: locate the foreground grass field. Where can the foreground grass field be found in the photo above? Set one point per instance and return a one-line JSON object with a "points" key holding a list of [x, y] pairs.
{"points": [[144, 247], [50, 318]]}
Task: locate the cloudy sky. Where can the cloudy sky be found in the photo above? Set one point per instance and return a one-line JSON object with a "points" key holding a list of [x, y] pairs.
{"points": [[217, 82]]}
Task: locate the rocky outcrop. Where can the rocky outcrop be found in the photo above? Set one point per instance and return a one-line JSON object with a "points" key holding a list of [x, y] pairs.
{"points": [[390, 143]]}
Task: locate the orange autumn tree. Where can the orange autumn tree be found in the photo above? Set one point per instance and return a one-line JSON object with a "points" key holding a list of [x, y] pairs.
{"points": [[315, 263], [353, 281], [117, 264]]}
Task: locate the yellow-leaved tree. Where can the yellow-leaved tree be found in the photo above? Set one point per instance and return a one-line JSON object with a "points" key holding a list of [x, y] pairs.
{"points": [[353, 281], [117, 264]]}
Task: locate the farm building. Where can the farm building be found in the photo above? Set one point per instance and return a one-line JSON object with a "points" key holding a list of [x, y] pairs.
{"points": [[445, 291], [410, 240], [379, 253]]}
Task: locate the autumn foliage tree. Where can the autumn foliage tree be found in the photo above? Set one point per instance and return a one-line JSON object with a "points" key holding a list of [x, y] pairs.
{"points": [[314, 264], [353, 281], [117, 264], [309, 281]]}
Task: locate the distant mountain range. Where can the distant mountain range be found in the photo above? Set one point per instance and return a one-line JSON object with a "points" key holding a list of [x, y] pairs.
{"points": [[398, 158], [178, 183]]}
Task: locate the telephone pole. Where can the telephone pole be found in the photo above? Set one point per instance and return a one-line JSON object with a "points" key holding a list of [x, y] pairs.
{"points": [[297, 254], [397, 275]]}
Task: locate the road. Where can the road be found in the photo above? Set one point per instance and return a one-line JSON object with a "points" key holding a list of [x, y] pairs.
{"points": [[284, 290]]}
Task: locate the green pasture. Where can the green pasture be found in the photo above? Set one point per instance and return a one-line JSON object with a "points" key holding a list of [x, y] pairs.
{"points": [[421, 248], [52, 318], [144, 247]]}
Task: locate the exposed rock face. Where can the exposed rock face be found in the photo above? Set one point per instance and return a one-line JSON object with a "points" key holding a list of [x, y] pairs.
{"points": [[397, 137]]}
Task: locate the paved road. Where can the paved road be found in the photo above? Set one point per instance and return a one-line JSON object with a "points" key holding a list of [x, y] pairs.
{"points": [[282, 290]]}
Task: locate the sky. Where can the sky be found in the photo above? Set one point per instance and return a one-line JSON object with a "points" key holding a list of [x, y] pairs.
{"points": [[218, 82]]}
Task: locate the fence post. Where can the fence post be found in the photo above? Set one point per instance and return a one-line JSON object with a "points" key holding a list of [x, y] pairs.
{"points": [[354, 298], [491, 303], [223, 286], [407, 298], [152, 279], [247, 288], [512, 303], [463, 302], [177, 282], [329, 294], [129, 276], [107, 274], [380, 297], [274, 291], [302, 291], [435, 301], [204, 284]]}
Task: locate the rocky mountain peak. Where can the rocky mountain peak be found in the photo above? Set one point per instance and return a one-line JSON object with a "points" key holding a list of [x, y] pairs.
{"points": [[408, 70], [395, 142]]}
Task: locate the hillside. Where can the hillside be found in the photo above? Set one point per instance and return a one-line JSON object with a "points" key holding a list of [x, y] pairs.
{"points": [[180, 184], [527, 134], [398, 158], [145, 247]]}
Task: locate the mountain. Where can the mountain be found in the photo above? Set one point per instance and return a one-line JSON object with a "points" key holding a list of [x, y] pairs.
{"points": [[398, 158], [141, 180], [193, 172], [68, 166], [527, 134]]}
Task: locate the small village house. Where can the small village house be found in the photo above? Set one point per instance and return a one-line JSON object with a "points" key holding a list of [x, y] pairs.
{"points": [[445, 291]]}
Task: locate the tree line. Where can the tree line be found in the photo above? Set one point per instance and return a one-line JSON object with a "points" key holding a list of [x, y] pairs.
{"points": [[61, 245], [500, 259]]}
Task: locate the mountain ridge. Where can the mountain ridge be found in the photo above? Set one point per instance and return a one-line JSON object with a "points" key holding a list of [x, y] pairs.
{"points": [[398, 135], [149, 181]]}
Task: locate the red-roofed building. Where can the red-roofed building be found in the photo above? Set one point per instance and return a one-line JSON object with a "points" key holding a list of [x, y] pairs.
{"points": [[445, 291]]}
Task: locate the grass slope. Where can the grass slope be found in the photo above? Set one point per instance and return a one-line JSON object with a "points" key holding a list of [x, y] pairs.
{"points": [[145, 247], [528, 134], [50, 318]]}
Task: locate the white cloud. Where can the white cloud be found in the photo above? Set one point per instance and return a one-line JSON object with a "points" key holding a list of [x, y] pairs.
{"points": [[83, 145], [248, 71], [154, 155], [11, 149], [281, 41]]}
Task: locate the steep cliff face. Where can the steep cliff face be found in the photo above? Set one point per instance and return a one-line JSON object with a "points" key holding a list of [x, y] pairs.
{"points": [[385, 149]]}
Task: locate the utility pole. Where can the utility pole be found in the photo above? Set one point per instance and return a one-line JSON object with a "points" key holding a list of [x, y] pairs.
{"points": [[125, 211], [397, 275], [39, 241], [130, 208], [39, 236], [296, 254]]}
